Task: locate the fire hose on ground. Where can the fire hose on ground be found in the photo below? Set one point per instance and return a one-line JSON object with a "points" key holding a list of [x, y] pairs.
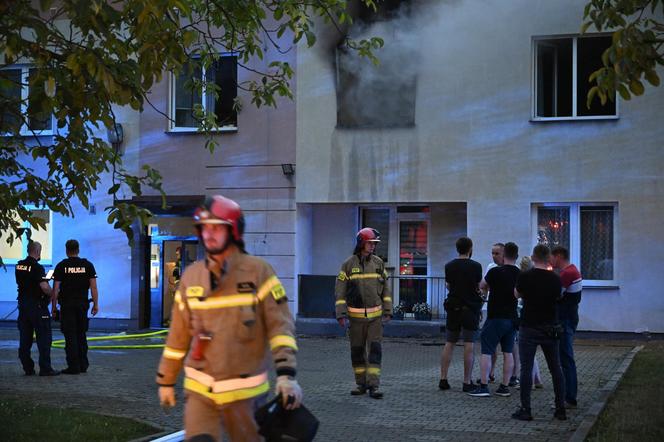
{"points": [[60, 343]]}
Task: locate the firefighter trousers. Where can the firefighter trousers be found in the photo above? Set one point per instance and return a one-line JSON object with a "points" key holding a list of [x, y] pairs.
{"points": [[204, 417], [366, 336]]}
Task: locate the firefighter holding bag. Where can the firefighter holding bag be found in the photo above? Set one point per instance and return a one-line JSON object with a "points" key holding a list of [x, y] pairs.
{"points": [[229, 313]]}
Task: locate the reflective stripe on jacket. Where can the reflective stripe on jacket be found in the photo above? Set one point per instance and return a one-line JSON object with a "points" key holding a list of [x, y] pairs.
{"points": [[361, 289], [243, 318]]}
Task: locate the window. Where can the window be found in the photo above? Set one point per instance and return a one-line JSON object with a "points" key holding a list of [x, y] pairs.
{"points": [[190, 95], [562, 68], [378, 219], [587, 231], [24, 93], [19, 248]]}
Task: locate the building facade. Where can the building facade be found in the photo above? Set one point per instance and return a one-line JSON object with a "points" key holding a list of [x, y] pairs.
{"points": [[476, 123]]}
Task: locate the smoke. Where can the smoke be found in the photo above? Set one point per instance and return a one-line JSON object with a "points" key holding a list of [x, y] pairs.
{"points": [[380, 96]]}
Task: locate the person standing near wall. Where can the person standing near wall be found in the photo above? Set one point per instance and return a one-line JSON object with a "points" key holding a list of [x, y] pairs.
{"points": [[229, 311], [363, 299], [74, 276], [34, 294], [540, 290], [568, 314], [463, 306]]}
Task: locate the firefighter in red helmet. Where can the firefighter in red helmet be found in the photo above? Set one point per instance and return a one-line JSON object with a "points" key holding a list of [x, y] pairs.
{"points": [[363, 299], [229, 310]]}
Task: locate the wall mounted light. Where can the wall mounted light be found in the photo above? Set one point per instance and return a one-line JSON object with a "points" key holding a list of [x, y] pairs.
{"points": [[288, 169], [116, 137]]}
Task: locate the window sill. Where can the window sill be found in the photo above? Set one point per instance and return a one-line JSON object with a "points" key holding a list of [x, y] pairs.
{"points": [[195, 131], [601, 287], [591, 118]]}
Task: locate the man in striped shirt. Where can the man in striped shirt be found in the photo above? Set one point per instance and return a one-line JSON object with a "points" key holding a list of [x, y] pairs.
{"points": [[568, 314]]}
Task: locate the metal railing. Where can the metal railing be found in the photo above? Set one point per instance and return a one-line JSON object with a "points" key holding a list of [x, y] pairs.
{"points": [[412, 289]]}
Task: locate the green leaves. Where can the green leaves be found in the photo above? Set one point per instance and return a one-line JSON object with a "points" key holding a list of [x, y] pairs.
{"points": [[99, 55], [637, 45]]}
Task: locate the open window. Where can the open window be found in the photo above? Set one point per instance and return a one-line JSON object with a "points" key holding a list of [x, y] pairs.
{"points": [[193, 96], [562, 68]]}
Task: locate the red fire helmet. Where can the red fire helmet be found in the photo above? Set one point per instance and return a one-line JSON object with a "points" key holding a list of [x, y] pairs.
{"points": [[218, 209], [368, 234]]}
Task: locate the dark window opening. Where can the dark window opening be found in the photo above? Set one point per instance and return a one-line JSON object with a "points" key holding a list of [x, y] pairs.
{"points": [[189, 92], [589, 55], [554, 78], [371, 96]]}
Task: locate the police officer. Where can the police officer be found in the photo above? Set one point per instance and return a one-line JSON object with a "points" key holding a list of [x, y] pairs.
{"points": [[230, 312], [34, 294], [362, 295], [74, 276]]}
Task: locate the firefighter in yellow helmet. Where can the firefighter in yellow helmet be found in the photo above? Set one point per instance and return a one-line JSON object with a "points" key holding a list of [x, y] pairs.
{"points": [[363, 299], [229, 311]]}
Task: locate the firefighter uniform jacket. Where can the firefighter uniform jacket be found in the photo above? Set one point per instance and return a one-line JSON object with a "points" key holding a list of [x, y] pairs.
{"points": [[230, 317], [361, 289]]}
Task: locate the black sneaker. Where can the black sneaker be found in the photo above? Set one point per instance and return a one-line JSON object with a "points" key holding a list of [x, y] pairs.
{"points": [[443, 384], [522, 414], [514, 382], [358, 391], [375, 393], [467, 388], [503, 391], [560, 414], [480, 391], [69, 370], [49, 373]]}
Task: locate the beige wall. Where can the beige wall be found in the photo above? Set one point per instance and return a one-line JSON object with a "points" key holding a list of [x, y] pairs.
{"points": [[246, 166], [473, 141]]}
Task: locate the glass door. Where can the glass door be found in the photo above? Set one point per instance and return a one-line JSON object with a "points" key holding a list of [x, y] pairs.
{"points": [[413, 262], [168, 259]]}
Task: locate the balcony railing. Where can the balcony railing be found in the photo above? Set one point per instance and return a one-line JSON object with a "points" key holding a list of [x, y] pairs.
{"points": [[316, 294], [411, 289]]}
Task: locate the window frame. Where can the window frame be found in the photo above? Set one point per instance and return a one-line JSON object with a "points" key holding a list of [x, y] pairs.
{"points": [[45, 260], [575, 237], [25, 131], [534, 72], [172, 128]]}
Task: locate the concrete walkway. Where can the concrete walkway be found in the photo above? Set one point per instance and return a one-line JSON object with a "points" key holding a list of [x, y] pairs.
{"points": [[121, 382]]}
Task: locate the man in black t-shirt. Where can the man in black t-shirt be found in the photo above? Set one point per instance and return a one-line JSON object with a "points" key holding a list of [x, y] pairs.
{"points": [[463, 306], [540, 289], [74, 276], [500, 324], [34, 293]]}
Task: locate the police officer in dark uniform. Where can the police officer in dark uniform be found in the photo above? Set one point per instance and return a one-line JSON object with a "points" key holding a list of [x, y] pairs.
{"points": [[34, 294], [74, 276]]}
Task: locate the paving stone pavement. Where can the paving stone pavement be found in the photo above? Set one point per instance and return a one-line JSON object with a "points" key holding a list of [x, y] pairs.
{"points": [[121, 382]]}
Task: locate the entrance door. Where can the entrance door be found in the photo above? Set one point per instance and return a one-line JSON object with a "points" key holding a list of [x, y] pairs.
{"points": [[168, 258], [413, 261]]}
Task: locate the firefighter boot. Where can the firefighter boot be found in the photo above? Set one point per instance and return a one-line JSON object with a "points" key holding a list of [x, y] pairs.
{"points": [[358, 391], [375, 393]]}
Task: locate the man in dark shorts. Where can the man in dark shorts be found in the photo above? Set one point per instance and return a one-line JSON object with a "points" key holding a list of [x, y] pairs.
{"points": [[540, 289], [501, 318], [463, 306]]}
